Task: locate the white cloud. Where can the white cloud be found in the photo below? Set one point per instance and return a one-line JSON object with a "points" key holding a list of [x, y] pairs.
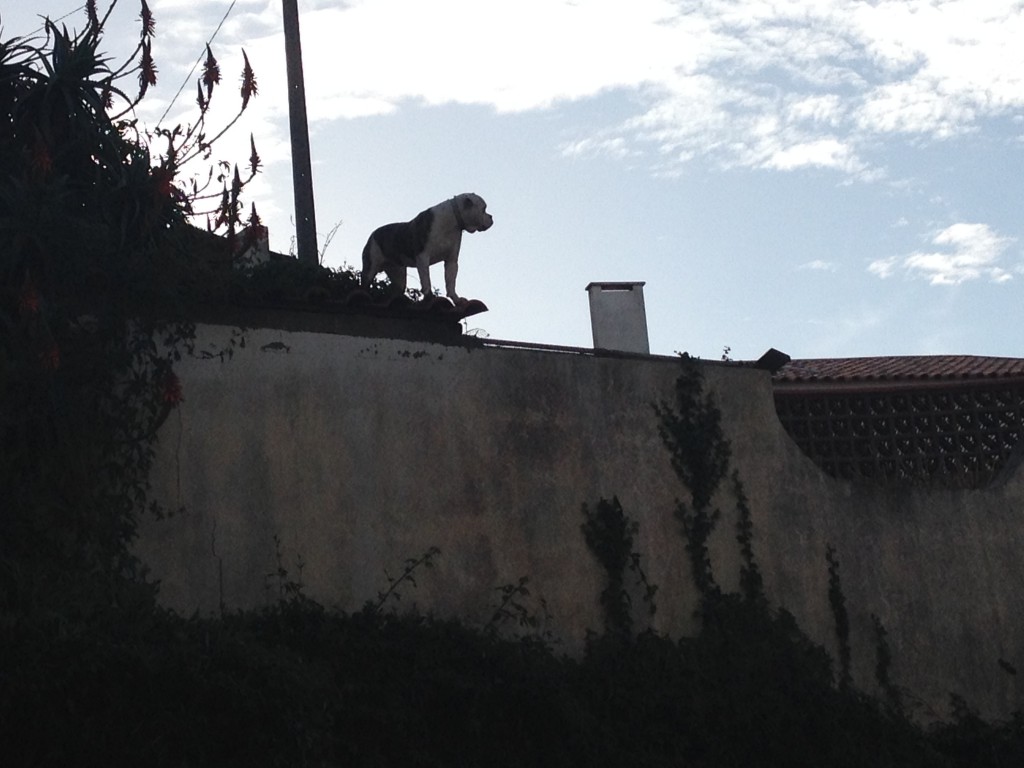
{"points": [[833, 75], [758, 84], [963, 252], [511, 56], [614, 146], [884, 267], [821, 153], [951, 62], [819, 265], [824, 110]]}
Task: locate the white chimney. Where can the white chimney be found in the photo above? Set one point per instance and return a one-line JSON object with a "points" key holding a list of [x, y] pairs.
{"points": [[618, 317]]}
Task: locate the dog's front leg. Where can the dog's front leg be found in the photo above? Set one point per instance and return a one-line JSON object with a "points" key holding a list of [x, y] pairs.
{"points": [[451, 272]]}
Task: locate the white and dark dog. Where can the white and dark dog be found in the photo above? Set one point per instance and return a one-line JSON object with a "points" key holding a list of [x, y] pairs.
{"points": [[435, 235]]}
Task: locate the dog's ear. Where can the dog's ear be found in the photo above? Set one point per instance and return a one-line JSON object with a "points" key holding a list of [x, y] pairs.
{"points": [[467, 202]]}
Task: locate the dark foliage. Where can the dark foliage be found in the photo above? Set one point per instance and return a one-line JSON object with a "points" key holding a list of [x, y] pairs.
{"points": [[837, 602], [296, 685], [100, 276], [609, 536], [97, 267]]}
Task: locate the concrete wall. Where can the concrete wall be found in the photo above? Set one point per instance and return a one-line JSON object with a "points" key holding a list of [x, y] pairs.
{"points": [[358, 453]]}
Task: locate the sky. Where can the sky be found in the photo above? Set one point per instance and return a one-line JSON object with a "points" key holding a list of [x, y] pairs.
{"points": [[831, 178]]}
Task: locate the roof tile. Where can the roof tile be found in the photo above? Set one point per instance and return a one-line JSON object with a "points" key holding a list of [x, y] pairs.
{"points": [[914, 368]]}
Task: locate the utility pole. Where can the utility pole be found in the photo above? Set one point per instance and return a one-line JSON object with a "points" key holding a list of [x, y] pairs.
{"points": [[302, 174]]}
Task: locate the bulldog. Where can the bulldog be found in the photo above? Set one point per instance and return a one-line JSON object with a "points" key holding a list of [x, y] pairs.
{"points": [[434, 235]]}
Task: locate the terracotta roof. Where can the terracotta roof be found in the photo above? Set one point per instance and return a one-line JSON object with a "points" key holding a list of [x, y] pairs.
{"points": [[930, 369]]}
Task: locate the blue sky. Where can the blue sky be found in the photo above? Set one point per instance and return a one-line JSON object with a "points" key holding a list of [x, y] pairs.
{"points": [[832, 178]]}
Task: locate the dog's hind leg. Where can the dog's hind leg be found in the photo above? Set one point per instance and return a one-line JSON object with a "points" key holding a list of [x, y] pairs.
{"points": [[372, 260], [396, 274]]}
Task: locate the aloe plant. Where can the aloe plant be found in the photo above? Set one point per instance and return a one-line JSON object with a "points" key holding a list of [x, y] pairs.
{"points": [[98, 260]]}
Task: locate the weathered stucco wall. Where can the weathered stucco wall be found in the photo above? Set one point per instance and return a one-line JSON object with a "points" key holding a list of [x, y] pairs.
{"points": [[358, 453]]}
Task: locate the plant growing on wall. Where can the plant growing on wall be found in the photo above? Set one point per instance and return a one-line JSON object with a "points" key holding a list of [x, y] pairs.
{"points": [[97, 267], [406, 578], [609, 536], [883, 663], [837, 602], [751, 583], [691, 430]]}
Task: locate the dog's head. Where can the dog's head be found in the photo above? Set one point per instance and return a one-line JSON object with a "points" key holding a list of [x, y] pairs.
{"points": [[473, 212]]}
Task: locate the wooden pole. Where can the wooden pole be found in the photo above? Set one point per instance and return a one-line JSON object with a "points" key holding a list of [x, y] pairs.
{"points": [[302, 174]]}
